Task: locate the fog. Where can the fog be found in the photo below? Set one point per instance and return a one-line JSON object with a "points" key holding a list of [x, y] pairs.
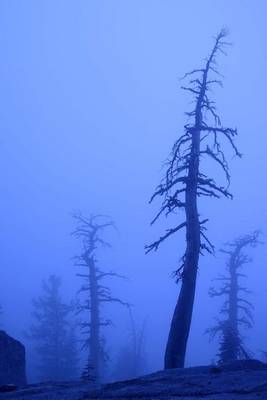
{"points": [[90, 107]]}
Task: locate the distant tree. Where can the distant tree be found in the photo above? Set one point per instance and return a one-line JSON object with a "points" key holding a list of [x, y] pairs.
{"points": [[90, 230], [237, 309], [131, 360], [53, 333], [184, 183]]}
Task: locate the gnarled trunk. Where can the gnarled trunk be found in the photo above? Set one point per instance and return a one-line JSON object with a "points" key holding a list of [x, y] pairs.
{"points": [[183, 177], [181, 321], [94, 340], [233, 312]]}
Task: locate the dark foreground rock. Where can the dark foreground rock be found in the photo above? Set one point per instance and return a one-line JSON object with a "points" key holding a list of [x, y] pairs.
{"points": [[243, 380], [12, 361], [7, 388], [51, 391]]}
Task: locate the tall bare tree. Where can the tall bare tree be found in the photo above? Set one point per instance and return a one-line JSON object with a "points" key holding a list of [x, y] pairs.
{"points": [[237, 309], [184, 183], [90, 231]]}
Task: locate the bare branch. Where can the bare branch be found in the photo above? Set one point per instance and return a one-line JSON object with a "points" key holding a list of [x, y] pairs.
{"points": [[154, 246]]}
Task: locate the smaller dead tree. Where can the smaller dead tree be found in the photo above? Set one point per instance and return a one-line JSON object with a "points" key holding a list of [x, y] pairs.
{"points": [[138, 346], [131, 359], [237, 309], [89, 231]]}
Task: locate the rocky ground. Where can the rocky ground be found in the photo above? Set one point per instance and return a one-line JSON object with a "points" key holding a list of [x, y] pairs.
{"points": [[242, 380]]}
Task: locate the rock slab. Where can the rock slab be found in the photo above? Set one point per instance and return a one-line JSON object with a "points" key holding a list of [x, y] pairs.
{"points": [[246, 380], [242, 380]]}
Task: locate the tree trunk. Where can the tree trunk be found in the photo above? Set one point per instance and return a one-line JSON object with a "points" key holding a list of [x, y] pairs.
{"points": [[233, 311], [181, 321], [94, 340]]}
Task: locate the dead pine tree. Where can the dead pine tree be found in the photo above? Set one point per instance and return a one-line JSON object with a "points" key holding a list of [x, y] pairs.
{"points": [[138, 346], [89, 231], [237, 309], [131, 358], [184, 183]]}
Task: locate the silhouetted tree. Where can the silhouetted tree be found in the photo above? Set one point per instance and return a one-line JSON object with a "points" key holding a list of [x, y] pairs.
{"points": [[89, 230], [53, 333], [131, 361], [184, 183], [238, 310]]}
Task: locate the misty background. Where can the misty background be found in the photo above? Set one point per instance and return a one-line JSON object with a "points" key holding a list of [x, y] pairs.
{"points": [[90, 107]]}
